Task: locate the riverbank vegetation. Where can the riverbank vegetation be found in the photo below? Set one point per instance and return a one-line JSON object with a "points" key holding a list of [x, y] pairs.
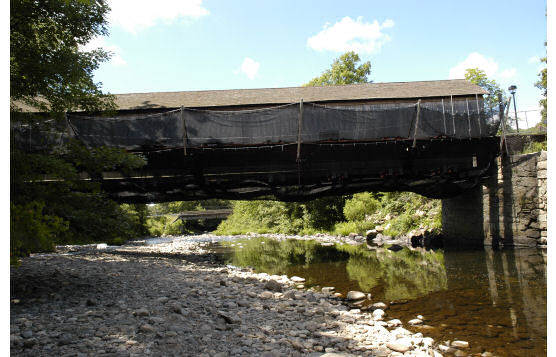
{"points": [[397, 212]]}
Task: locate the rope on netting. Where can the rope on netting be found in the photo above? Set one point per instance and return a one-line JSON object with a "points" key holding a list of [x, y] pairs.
{"points": [[146, 116], [468, 118], [241, 111], [416, 123], [444, 118], [478, 114], [184, 132], [453, 118], [299, 126]]}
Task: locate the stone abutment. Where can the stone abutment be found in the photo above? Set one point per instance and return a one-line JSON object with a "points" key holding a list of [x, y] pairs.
{"points": [[508, 210]]}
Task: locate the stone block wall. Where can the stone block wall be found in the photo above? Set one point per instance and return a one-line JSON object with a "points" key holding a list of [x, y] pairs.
{"points": [[514, 202]]}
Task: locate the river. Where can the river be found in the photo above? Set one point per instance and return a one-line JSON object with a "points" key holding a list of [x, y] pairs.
{"points": [[494, 299]]}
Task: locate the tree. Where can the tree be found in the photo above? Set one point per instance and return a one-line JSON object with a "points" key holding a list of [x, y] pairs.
{"points": [[492, 101], [344, 70], [541, 84], [50, 74], [47, 69], [479, 77]]}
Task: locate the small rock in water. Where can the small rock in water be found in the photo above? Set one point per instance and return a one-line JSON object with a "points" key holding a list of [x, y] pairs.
{"points": [[394, 323], [355, 295], [415, 322], [102, 246], [379, 305], [266, 295], [328, 289], [460, 344], [371, 233], [297, 279]]}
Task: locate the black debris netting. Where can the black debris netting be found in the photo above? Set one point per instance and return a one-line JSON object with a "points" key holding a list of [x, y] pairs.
{"points": [[275, 125], [281, 125], [155, 131], [322, 123]]}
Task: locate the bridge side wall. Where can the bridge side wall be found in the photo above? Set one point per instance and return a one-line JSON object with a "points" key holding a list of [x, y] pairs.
{"points": [[514, 202]]}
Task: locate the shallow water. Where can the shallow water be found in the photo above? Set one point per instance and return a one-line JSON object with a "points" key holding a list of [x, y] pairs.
{"points": [[495, 300]]}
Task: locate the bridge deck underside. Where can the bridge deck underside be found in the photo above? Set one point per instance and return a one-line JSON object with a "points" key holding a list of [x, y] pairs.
{"points": [[435, 168]]}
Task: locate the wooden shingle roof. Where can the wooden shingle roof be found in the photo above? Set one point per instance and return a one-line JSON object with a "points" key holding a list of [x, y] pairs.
{"points": [[275, 96]]}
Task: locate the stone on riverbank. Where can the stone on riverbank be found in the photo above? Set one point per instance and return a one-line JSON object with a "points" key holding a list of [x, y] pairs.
{"points": [[460, 344], [147, 302], [355, 295], [273, 285]]}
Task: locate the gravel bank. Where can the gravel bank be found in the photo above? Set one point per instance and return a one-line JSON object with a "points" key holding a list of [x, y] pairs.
{"points": [[172, 299]]}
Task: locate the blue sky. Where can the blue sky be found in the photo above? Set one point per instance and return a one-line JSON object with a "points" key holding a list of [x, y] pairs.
{"points": [[202, 44]]}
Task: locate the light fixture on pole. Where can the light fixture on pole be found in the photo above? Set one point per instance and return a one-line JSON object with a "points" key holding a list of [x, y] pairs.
{"points": [[512, 90]]}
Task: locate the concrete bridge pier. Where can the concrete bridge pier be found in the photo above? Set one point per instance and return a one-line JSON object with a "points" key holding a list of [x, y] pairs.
{"points": [[462, 219]]}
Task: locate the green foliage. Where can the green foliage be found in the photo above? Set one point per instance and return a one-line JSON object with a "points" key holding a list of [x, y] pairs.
{"points": [[407, 211], [259, 217], [361, 205], [88, 215], [283, 217], [534, 146], [491, 102], [479, 77], [542, 85], [363, 211], [183, 206], [47, 69], [31, 230], [344, 70], [95, 161]]}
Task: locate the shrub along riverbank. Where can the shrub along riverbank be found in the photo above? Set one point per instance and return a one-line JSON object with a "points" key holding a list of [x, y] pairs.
{"points": [[398, 213]]}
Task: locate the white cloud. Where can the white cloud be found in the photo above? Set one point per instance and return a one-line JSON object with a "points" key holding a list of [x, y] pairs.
{"points": [[534, 59], [508, 73], [100, 42], [250, 67], [474, 60], [350, 35], [133, 15]]}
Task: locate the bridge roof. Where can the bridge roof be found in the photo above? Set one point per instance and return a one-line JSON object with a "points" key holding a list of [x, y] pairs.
{"points": [[270, 96]]}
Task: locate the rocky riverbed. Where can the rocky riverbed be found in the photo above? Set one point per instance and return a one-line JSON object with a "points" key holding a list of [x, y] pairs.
{"points": [[175, 299]]}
